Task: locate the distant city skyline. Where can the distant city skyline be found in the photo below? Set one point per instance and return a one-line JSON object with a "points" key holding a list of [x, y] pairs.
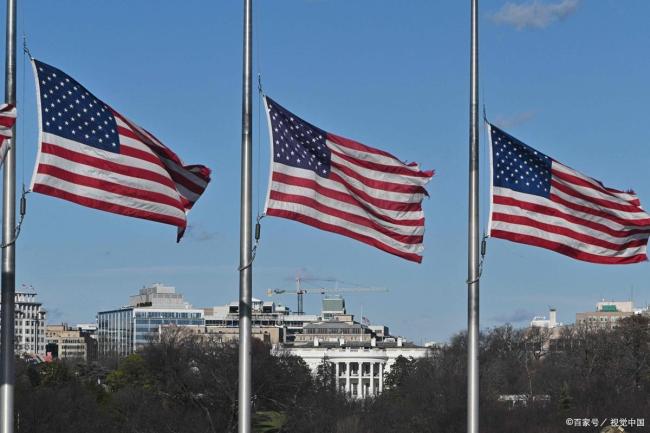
{"points": [[394, 77], [519, 318]]}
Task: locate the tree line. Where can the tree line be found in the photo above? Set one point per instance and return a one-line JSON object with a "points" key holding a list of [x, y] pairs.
{"points": [[528, 381]]}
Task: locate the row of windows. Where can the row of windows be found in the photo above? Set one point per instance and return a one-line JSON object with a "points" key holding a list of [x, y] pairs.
{"points": [[73, 341], [115, 328], [23, 307], [29, 315], [31, 339], [34, 329], [334, 331], [29, 323], [167, 315], [157, 322], [602, 319]]}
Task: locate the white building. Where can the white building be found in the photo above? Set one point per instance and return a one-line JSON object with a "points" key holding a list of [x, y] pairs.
{"points": [[361, 355], [359, 369], [122, 331], [543, 322], [29, 324]]}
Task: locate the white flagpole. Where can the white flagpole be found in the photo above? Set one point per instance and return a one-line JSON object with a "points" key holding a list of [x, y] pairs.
{"points": [[473, 236], [8, 278], [245, 234]]}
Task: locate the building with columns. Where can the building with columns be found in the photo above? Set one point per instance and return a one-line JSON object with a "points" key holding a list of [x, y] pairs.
{"points": [[361, 354], [359, 368]]}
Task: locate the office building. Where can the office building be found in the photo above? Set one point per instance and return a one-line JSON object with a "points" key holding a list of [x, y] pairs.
{"points": [[89, 333], [64, 342], [270, 322], [29, 323], [122, 331], [607, 314]]}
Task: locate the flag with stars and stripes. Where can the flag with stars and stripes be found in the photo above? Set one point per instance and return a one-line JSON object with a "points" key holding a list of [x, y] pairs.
{"points": [[342, 186], [94, 156], [538, 201], [7, 122]]}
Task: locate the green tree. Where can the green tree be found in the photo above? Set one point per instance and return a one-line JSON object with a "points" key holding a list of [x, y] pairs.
{"points": [[132, 371]]}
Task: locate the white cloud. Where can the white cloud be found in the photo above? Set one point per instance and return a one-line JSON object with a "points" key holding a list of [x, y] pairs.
{"points": [[535, 14], [518, 316], [513, 120], [198, 233]]}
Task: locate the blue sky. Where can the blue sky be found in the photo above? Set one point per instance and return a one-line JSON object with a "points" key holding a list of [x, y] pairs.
{"points": [[566, 76]]}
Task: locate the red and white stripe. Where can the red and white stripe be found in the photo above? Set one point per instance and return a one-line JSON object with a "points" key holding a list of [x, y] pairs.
{"points": [[370, 196], [189, 180], [582, 219], [145, 180], [7, 121]]}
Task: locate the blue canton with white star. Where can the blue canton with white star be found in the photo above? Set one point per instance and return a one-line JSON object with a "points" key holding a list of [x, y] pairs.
{"points": [[298, 143], [70, 111], [519, 167]]}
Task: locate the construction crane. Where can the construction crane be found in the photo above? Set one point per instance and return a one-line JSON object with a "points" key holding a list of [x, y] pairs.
{"points": [[301, 291]]}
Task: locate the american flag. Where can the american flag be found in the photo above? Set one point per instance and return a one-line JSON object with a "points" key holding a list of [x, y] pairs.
{"points": [[7, 121], [538, 201], [92, 155], [342, 186]]}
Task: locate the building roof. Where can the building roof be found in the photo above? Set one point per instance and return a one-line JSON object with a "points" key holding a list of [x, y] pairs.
{"points": [[355, 344], [333, 325]]}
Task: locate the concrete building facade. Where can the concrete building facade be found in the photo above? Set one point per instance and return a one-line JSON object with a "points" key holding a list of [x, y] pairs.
{"points": [[215, 334], [270, 322], [607, 314], [64, 342], [29, 324]]}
